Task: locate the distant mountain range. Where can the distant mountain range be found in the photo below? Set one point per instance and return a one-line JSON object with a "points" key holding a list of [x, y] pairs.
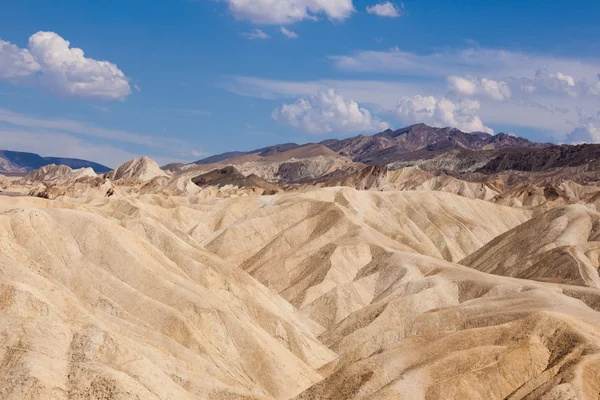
{"points": [[391, 146], [21, 162], [439, 150], [450, 151], [388, 146]]}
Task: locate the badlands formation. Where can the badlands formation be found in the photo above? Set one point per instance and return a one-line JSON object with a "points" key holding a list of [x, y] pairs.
{"points": [[299, 276]]}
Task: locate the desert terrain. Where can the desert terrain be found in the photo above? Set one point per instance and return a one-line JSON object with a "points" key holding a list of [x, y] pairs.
{"points": [[424, 263]]}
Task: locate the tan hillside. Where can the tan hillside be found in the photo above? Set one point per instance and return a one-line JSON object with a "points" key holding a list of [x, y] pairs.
{"points": [[4, 182], [56, 174], [166, 289], [562, 245], [142, 168], [92, 307]]}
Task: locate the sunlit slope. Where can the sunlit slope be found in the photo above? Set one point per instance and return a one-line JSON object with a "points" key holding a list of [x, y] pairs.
{"points": [[93, 307], [330, 293], [562, 246]]}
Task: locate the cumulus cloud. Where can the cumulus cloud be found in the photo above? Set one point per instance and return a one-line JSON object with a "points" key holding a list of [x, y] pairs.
{"points": [[462, 85], [328, 112], [470, 86], [441, 112], [533, 91], [494, 89], [16, 63], [386, 9], [255, 34], [587, 129], [555, 81], [288, 33], [518, 72], [51, 62], [288, 11]]}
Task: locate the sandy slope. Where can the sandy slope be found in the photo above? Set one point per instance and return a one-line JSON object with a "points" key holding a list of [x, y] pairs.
{"points": [[92, 307], [561, 246], [326, 293]]}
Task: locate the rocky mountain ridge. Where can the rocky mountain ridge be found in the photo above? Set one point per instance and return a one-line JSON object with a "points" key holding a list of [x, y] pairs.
{"points": [[410, 146]]}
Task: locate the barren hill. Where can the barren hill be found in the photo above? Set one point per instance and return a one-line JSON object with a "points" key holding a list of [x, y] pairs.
{"points": [[325, 293], [142, 168], [298, 273], [57, 173], [562, 245]]}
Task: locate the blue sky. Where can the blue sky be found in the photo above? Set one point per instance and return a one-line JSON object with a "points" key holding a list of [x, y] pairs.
{"points": [[178, 80]]}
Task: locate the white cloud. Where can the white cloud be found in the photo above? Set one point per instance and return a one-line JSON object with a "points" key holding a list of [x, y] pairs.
{"points": [[587, 130], [555, 115], [386, 9], [587, 133], [328, 112], [470, 86], [52, 63], [563, 78], [594, 88], [464, 86], [557, 82], [529, 90], [288, 11], [255, 34], [16, 63], [441, 112], [496, 90], [288, 33]]}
